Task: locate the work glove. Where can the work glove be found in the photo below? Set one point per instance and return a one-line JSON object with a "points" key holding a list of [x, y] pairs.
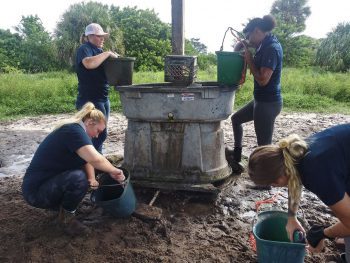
{"points": [[315, 234]]}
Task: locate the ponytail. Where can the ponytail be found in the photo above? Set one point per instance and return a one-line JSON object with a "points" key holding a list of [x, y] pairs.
{"points": [[267, 163], [88, 111], [268, 23], [265, 24], [293, 149], [83, 39]]}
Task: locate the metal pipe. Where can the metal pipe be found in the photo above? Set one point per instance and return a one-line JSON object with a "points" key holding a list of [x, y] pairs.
{"points": [[177, 26]]}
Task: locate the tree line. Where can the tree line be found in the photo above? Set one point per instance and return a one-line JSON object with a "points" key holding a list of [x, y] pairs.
{"points": [[141, 34]]}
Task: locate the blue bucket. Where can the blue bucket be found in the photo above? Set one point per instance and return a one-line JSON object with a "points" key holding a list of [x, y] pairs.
{"points": [[117, 199], [272, 242]]}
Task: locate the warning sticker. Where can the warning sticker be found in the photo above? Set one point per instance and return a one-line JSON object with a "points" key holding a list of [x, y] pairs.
{"points": [[187, 96]]}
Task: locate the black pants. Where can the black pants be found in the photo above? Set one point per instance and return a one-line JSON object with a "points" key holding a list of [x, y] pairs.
{"points": [[66, 189], [263, 114]]}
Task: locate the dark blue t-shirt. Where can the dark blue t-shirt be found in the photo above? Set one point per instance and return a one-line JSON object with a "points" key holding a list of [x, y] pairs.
{"points": [[92, 83], [325, 170], [269, 55], [56, 154]]}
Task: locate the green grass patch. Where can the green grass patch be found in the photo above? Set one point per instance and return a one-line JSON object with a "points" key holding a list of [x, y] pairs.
{"points": [[304, 90]]}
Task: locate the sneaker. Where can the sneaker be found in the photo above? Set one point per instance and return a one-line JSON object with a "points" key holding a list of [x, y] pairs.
{"points": [[71, 225]]}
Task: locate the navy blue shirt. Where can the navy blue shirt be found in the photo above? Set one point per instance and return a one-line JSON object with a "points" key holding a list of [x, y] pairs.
{"points": [[56, 154], [325, 170], [92, 83], [269, 55]]}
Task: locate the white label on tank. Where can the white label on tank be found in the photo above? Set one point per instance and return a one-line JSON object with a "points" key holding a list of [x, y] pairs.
{"points": [[171, 95], [187, 96]]}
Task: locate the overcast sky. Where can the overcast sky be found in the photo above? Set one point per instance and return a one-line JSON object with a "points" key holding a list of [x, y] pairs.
{"points": [[204, 19]]}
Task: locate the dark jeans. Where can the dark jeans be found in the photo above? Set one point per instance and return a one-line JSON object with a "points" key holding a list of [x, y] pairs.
{"points": [[347, 248], [105, 108], [66, 189], [263, 114]]}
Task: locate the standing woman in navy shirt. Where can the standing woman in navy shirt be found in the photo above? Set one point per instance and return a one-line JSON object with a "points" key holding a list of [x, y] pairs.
{"points": [[266, 67], [58, 176], [322, 165], [92, 81]]}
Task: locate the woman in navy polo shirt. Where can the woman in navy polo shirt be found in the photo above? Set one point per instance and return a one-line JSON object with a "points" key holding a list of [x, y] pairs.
{"points": [[322, 165], [266, 67], [59, 174], [92, 81]]}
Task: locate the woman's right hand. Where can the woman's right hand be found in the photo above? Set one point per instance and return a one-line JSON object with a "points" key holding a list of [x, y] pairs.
{"points": [[292, 225], [118, 175], [113, 54], [241, 45]]}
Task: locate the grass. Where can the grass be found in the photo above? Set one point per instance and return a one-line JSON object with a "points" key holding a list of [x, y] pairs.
{"points": [[304, 90]]}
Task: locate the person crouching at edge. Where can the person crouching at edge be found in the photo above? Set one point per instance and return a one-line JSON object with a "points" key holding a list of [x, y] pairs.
{"points": [[62, 168], [322, 165]]}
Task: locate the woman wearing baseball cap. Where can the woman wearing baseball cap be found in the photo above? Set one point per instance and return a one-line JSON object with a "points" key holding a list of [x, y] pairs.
{"points": [[92, 82]]}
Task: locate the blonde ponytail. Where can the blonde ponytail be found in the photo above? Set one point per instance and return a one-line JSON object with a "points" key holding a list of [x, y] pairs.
{"points": [[293, 149], [88, 111]]}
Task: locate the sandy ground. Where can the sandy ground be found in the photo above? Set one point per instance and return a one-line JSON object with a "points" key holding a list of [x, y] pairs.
{"points": [[193, 227]]}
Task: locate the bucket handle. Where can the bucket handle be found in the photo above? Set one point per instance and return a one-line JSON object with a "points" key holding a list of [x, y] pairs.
{"points": [[110, 185], [123, 184], [238, 35], [235, 33], [258, 204]]}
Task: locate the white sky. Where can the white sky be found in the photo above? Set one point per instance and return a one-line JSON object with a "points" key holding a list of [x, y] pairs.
{"points": [[204, 19]]}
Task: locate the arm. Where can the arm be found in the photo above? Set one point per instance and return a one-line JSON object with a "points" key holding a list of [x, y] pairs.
{"points": [[95, 61], [340, 229], [293, 223], [90, 174], [262, 75], [342, 212], [94, 158]]}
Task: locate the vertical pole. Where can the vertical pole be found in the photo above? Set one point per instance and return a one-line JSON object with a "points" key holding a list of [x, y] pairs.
{"points": [[177, 26]]}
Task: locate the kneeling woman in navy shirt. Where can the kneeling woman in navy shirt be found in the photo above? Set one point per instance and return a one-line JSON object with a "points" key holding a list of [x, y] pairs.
{"points": [[62, 168], [322, 165]]}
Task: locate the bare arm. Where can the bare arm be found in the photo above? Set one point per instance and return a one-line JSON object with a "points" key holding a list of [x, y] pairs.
{"points": [[262, 75], [95, 61], [342, 212], [340, 229], [293, 223], [90, 174], [94, 158]]}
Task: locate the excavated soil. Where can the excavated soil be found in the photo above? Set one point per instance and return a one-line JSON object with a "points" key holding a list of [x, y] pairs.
{"points": [[192, 227]]}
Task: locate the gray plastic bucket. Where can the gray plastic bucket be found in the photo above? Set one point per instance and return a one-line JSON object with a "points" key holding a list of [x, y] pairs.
{"points": [[272, 242], [119, 70], [117, 199]]}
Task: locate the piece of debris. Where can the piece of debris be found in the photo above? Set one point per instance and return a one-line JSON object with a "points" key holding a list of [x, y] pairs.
{"points": [[147, 212]]}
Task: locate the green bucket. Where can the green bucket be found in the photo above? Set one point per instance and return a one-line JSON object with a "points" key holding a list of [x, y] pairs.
{"points": [[272, 242], [230, 67]]}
